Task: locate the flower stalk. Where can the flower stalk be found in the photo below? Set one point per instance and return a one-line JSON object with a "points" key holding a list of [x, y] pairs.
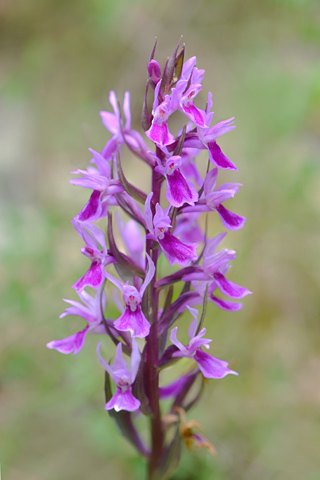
{"points": [[149, 228]]}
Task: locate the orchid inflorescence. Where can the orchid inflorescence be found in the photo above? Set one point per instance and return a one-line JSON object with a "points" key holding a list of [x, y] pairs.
{"points": [[152, 305]]}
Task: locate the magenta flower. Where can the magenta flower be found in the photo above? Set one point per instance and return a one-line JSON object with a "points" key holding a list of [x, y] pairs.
{"points": [[99, 259], [206, 138], [176, 386], [214, 266], [197, 116], [187, 228], [133, 319], [158, 226], [159, 132], [123, 378], [188, 166], [154, 71], [91, 312], [200, 288], [180, 190], [187, 88], [212, 200], [114, 124], [210, 367], [175, 228], [104, 188], [133, 240]]}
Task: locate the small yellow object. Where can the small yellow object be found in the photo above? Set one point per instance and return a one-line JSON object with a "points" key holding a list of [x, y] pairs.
{"points": [[191, 438]]}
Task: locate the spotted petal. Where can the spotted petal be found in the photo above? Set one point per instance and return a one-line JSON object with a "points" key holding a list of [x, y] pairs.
{"points": [[176, 251], [133, 322]]}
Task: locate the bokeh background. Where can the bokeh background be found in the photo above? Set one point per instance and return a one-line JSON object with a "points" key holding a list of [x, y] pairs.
{"points": [[58, 61]]}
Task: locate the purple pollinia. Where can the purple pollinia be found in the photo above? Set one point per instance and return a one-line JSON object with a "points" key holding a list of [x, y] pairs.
{"points": [[166, 221]]}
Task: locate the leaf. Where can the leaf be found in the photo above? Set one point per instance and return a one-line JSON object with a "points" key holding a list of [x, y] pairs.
{"points": [[170, 458], [180, 143], [172, 313], [121, 200], [204, 310], [138, 390], [128, 187], [178, 66], [145, 117]]}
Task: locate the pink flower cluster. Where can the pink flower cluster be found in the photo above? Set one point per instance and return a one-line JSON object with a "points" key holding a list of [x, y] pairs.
{"points": [[150, 230]]}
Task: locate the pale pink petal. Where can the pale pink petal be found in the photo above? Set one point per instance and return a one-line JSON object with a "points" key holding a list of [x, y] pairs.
{"points": [[74, 343], [123, 401]]}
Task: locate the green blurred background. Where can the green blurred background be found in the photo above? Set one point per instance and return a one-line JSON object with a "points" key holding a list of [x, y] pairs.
{"points": [[59, 59]]}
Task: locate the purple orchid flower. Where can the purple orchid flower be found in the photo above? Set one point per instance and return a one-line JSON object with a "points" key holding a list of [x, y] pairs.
{"points": [[114, 123], [212, 200], [99, 259], [214, 266], [180, 190], [187, 228], [181, 98], [123, 399], [158, 226], [186, 89], [200, 288], [159, 132], [133, 319], [197, 116], [206, 139], [154, 71], [173, 389], [188, 166], [91, 311], [133, 240], [104, 188], [210, 367]]}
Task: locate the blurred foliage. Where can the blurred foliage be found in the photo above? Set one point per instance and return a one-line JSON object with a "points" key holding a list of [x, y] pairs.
{"points": [[58, 62]]}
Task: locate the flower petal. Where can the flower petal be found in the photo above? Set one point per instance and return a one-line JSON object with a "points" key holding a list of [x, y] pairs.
{"points": [[133, 322], [123, 401], [91, 208], [176, 251], [229, 288], [180, 190], [149, 275], [225, 304], [160, 134], [173, 388], [175, 341], [135, 360], [93, 278], [230, 220], [218, 158], [74, 343], [212, 367]]}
